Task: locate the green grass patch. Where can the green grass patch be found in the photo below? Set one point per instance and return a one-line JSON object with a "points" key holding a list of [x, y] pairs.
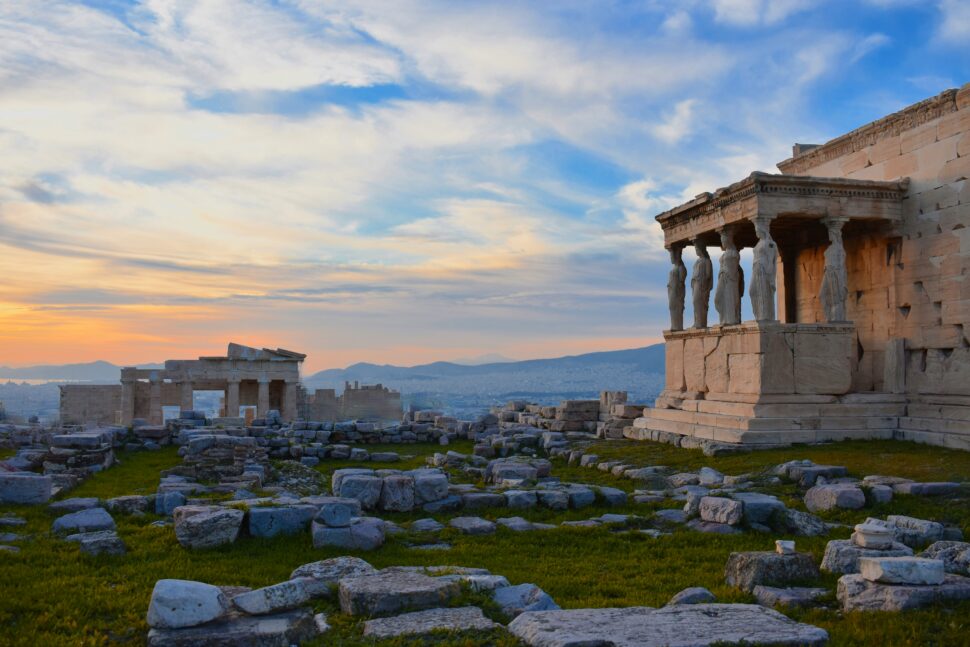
{"points": [[50, 594]]}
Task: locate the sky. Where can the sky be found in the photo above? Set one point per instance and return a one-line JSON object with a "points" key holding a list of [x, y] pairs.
{"points": [[408, 181]]}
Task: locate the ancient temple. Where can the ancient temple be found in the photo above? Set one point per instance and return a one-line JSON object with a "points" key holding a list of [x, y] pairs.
{"points": [[859, 288], [266, 379]]}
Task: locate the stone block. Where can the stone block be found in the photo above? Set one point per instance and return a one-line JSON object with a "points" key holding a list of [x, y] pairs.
{"points": [[273, 521], [472, 525], [746, 570], [842, 555], [902, 570], [391, 592], [721, 510], [25, 488], [278, 597], [337, 512], [90, 520], [208, 529], [397, 494], [419, 623], [822, 498], [184, 603], [697, 625], [331, 571], [102, 542], [365, 488], [285, 628], [363, 533], [856, 593]]}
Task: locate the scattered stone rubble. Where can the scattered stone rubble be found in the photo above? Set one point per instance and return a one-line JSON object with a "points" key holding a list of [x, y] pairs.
{"points": [[415, 601]]}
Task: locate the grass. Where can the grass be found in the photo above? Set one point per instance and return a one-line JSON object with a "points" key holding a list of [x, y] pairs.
{"points": [[52, 595]]}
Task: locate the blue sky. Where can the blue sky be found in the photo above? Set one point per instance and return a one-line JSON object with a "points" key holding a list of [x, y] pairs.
{"points": [[408, 181]]}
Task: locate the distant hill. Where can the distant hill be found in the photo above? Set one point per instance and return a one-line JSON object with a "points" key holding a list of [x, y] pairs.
{"points": [[488, 358], [99, 371], [649, 359]]}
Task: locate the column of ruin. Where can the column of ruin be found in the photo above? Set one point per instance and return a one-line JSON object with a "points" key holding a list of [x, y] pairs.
{"points": [[262, 398], [835, 288], [127, 398], [763, 272], [676, 288], [701, 283], [730, 282], [187, 400], [289, 400], [232, 397], [155, 401]]}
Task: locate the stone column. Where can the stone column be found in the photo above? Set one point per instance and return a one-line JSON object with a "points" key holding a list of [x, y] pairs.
{"points": [[835, 284], [127, 398], [289, 400], [186, 401], [155, 402], [730, 286], [232, 398], [262, 398], [676, 288], [764, 268], [701, 283]]}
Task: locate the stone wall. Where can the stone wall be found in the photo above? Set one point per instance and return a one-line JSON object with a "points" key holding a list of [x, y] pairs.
{"points": [[913, 281], [97, 403]]}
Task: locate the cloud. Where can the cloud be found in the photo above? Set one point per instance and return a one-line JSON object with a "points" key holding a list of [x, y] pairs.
{"points": [[359, 178], [677, 124], [955, 21]]}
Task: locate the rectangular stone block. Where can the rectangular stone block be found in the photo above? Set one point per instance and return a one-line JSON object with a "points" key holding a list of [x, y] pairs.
{"points": [[902, 570], [25, 487]]}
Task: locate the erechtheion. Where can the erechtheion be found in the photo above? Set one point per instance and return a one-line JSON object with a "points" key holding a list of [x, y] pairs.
{"points": [[859, 287]]}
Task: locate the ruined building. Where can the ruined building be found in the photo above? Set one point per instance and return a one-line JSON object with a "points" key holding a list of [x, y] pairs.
{"points": [[356, 402], [859, 285], [258, 380]]}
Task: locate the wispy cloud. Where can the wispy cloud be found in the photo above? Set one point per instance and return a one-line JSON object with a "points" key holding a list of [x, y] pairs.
{"points": [[362, 180]]}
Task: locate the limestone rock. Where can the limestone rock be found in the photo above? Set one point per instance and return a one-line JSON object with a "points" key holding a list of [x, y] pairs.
{"points": [[330, 571], [822, 498], [337, 511], [955, 555], [209, 529], [721, 510], [430, 486], [272, 521], [842, 555], [363, 533], [25, 488], [521, 598], [553, 499], [184, 603], [391, 592], [364, 488], [804, 524], [694, 625], [856, 593], [167, 502], [426, 525], [473, 525], [102, 542], [132, 504], [770, 596], [693, 595], [759, 508], [424, 622], [521, 499], [746, 570], [90, 520], [901, 570], [915, 532], [278, 597], [278, 630], [397, 493], [482, 500], [76, 504], [611, 495]]}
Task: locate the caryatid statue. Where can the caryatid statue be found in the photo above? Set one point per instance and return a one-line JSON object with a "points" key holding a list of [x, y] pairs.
{"points": [[676, 288], [763, 269], [730, 283], [701, 283], [834, 281]]}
